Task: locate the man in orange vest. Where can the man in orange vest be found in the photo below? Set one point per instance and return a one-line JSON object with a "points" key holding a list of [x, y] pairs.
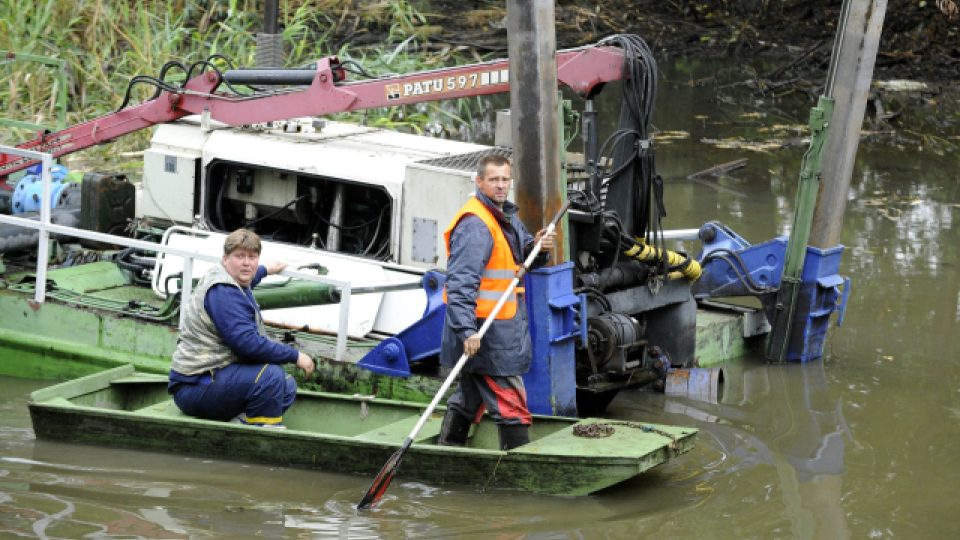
{"points": [[486, 244]]}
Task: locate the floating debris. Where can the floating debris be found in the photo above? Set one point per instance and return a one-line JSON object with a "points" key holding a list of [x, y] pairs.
{"points": [[661, 136], [737, 143], [720, 169], [790, 128], [901, 85]]}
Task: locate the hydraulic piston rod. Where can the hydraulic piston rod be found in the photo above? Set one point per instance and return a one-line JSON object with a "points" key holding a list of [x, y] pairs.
{"points": [[295, 294]]}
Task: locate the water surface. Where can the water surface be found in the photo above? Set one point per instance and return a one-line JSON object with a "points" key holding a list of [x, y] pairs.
{"points": [[863, 444]]}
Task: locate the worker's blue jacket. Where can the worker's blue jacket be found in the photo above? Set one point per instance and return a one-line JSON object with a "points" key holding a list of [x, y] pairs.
{"points": [[505, 348]]}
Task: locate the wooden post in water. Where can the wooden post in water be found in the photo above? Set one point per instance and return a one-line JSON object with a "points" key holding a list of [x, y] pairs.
{"points": [[534, 116], [852, 75], [834, 135]]}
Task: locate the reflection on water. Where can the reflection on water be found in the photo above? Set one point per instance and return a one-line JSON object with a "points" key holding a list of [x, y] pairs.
{"points": [[863, 444], [772, 450], [784, 418]]}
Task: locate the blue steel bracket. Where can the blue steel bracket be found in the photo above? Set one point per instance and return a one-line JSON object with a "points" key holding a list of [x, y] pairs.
{"points": [[420, 340], [582, 325], [842, 308], [388, 358], [567, 325], [717, 236], [551, 304], [732, 267], [818, 297]]}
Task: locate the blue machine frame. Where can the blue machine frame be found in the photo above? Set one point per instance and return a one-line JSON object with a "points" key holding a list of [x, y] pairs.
{"points": [[551, 382], [418, 341], [732, 267]]}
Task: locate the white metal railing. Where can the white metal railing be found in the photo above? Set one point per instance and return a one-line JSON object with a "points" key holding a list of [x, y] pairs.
{"points": [[681, 234], [45, 227], [43, 250]]}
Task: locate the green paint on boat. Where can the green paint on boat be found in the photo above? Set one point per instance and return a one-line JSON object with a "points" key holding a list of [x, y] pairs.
{"points": [[123, 407]]}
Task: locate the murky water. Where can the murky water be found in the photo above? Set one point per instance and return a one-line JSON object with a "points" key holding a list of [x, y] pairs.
{"points": [[864, 444]]}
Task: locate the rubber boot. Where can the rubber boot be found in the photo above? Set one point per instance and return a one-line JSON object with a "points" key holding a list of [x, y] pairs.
{"points": [[454, 430], [513, 435]]}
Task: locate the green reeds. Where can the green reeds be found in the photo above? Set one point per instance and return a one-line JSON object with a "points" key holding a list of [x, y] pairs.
{"points": [[105, 43]]}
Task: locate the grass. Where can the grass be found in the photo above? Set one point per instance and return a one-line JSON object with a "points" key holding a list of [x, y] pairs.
{"points": [[107, 42]]}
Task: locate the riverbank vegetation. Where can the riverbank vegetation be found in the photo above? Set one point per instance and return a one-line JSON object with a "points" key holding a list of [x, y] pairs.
{"points": [[782, 46], [104, 44]]}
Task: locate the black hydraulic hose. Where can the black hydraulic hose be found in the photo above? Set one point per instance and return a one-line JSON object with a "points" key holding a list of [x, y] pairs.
{"points": [[376, 231], [17, 238], [613, 140], [161, 84], [594, 293], [137, 272], [358, 69], [630, 151], [201, 64], [129, 256], [223, 77], [350, 227], [744, 278], [277, 211], [687, 260], [171, 277], [145, 79], [163, 77], [218, 206], [740, 269]]}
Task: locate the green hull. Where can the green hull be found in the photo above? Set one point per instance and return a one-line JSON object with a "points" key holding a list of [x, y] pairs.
{"points": [[336, 433]]}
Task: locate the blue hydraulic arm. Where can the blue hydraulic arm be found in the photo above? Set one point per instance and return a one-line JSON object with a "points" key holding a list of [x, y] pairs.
{"points": [[416, 342], [732, 267]]}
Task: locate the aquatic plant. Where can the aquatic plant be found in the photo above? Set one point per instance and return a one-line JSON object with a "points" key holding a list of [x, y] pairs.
{"points": [[104, 43]]}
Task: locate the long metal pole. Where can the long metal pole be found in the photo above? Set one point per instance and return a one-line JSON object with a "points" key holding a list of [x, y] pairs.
{"points": [[785, 310], [380, 483], [43, 246], [851, 68], [855, 59], [486, 325], [534, 117], [271, 17], [781, 326]]}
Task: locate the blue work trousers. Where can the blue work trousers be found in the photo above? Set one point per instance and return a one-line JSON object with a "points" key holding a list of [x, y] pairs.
{"points": [[262, 391]]}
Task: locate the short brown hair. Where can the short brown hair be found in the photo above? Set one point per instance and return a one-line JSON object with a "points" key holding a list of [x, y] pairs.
{"points": [[241, 239], [490, 159]]}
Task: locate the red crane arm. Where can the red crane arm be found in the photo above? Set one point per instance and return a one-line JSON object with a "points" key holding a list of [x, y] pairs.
{"points": [[579, 69], [110, 126]]}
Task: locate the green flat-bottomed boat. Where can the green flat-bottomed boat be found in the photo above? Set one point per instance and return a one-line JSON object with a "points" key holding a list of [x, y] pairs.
{"points": [[121, 407]]}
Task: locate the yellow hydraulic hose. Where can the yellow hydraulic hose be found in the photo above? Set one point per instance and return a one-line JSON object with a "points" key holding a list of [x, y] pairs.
{"points": [[684, 266]]}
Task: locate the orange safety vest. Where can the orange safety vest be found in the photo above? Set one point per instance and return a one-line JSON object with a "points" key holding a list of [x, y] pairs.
{"points": [[500, 270]]}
